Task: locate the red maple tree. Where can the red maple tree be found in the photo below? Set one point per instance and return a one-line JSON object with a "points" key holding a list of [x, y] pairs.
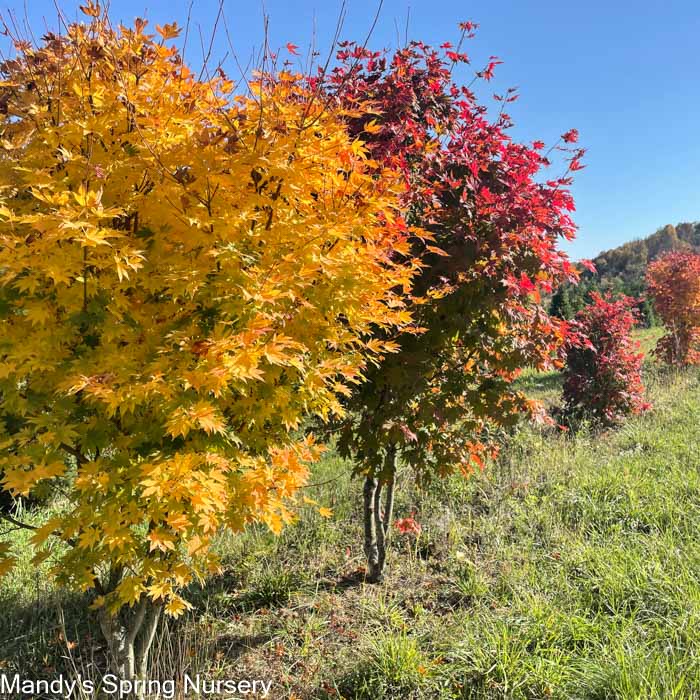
{"points": [[602, 378], [487, 227], [674, 286]]}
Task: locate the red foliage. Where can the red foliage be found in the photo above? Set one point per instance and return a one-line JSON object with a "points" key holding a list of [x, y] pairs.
{"points": [[408, 526], [602, 378], [491, 224], [674, 285]]}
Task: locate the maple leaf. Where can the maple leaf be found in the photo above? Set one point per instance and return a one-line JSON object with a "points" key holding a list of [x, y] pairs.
{"points": [[6, 564], [176, 606], [408, 434], [207, 417], [168, 31], [408, 526], [92, 9], [160, 590], [88, 538], [130, 589], [372, 127]]}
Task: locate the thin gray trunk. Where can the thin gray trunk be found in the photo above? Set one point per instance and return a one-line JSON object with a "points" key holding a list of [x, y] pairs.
{"points": [[371, 544], [377, 520], [148, 635], [386, 521], [129, 638]]}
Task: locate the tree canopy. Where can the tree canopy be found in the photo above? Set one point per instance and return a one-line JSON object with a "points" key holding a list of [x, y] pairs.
{"points": [[185, 274]]}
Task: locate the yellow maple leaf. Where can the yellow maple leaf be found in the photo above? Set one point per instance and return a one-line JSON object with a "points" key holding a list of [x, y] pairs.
{"points": [[176, 606], [161, 539], [130, 590], [207, 417], [6, 564]]}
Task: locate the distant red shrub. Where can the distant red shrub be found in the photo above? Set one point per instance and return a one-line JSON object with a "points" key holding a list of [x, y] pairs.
{"points": [[602, 377], [674, 286]]}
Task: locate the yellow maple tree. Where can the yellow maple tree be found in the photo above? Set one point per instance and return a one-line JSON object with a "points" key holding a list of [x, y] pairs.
{"points": [[185, 274]]}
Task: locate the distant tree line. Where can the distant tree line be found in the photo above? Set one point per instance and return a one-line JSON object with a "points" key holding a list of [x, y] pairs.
{"points": [[622, 271]]}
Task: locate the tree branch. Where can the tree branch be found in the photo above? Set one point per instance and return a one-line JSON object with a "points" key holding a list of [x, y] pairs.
{"points": [[79, 456], [19, 523], [26, 526]]}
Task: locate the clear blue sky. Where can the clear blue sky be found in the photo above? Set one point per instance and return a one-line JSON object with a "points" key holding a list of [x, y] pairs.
{"points": [[625, 73]]}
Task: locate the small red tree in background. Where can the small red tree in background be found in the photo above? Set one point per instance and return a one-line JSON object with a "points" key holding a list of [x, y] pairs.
{"points": [[674, 285], [602, 378]]}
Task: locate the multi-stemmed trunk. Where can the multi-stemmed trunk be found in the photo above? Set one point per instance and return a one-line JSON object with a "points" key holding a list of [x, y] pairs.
{"points": [[129, 636], [377, 519]]}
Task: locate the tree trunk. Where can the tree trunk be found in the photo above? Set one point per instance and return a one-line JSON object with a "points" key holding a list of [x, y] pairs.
{"points": [[386, 520], [371, 544], [377, 521], [148, 635], [129, 636]]}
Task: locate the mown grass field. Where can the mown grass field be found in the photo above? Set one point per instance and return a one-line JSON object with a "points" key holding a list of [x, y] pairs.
{"points": [[570, 568]]}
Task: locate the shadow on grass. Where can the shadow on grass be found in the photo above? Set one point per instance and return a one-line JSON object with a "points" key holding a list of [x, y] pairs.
{"points": [[540, 382], [232, 647], [344, 582], [34, 635]]}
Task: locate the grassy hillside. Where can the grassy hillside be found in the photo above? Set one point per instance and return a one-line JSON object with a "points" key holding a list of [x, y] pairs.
{"points": [[568, 569]]}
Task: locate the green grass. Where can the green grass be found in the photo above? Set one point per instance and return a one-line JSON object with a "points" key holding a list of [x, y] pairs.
{"points": [[568, 569], [648, 337]]}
